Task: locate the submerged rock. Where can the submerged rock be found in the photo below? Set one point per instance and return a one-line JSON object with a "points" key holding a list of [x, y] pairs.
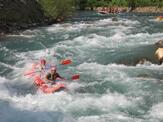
{"points": [[114, 19], [142, 61]]}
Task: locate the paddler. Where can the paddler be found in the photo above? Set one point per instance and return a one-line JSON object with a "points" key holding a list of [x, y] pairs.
{"points": [[53, 75], [42, 67], [42, 64]]}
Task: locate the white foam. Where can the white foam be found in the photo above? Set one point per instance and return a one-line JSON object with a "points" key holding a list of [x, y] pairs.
{"points": [[67, 27], [120, 21], [157, 111], [8, 66], [108, 118], [111, 67], [3, 88], [21, 35], [120, 39]]}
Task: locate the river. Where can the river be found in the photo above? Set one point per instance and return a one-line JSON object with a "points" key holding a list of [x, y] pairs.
{"points": [[113, 86]]}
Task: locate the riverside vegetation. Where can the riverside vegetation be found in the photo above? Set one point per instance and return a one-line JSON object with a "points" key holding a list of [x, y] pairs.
{"points": [[22, 14]]}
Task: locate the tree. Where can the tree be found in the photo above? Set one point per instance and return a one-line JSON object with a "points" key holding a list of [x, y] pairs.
{"points": [[131, 3], [81, 4], [159, 3], [57, 8], [92, 3]]}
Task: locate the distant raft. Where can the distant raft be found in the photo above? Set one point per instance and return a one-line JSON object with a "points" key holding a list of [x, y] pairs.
{"points": [[103, 12]]}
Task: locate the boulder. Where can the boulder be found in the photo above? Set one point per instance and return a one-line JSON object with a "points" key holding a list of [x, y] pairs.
{"points": [[159, 43], [19, 14], [114, 19], [159, 54]]}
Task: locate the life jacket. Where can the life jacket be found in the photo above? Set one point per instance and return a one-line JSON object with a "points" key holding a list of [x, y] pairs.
{"points": [[52, 77]]}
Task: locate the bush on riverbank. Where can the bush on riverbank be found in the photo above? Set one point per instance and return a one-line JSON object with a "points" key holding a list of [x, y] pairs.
{"points": [[57, 9], [121, 3]]}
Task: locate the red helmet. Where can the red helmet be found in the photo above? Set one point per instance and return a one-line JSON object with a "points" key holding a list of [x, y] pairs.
{"points": [[43, 61]]}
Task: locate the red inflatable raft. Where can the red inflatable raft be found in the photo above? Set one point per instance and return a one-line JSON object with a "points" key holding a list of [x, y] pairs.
{"points": [[48, 88], [103, 12]]}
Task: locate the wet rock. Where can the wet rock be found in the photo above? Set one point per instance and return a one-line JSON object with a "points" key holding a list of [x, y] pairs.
{"points": [[114, 19], [159, 55], [159, 43], [143, 75], [143, 61], [21, 14]]}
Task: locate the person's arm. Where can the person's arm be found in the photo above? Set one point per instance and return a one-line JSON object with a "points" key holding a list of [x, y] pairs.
{"points": [[58, 76], [47, 78]]}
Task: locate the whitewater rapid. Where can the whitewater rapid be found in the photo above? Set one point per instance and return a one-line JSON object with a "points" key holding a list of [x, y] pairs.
{"points": [[113, 87]]}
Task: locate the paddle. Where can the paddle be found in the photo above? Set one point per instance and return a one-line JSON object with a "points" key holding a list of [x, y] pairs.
{"points": [[30, 73], [75, 77], [66, 61], [46, 49], [63, 62]]}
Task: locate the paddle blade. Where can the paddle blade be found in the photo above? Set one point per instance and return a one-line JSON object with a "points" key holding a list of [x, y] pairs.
{"points": [[75, 77], [29, 72], [66, 62], [31, 75]]}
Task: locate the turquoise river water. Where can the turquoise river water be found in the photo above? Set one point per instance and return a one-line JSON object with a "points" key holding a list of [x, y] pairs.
{"points": [[113, 86]]}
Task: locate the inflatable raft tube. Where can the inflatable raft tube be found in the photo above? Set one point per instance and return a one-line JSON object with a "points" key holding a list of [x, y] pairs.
{"points": [[45, 88]]}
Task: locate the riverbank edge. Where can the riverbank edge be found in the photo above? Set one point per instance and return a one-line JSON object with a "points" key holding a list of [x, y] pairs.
{"points": [[149, 9], [18, 29]]}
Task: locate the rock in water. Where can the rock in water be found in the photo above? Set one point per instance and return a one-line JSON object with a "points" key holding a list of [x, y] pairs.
{"points": [[159, 43], [159, 54]]}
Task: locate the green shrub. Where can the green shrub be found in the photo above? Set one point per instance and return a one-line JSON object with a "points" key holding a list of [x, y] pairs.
{"points": [[57, 8], [125, 3]]}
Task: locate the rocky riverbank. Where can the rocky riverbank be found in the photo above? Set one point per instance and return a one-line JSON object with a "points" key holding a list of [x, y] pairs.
{"points": [[116, 9], [148, 9], [16, 15]]}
